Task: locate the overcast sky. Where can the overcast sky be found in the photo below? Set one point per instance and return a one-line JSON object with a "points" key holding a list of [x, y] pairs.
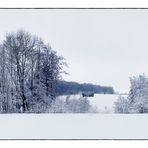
{"points": [[104, 47]]}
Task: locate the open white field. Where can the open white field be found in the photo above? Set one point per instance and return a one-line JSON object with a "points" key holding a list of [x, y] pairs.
{"points": [[73, 126], [104, 102]]}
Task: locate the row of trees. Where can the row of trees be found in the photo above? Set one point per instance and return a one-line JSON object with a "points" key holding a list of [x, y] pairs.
{"points": [[67, 88], [137, 100], [29, 71]]}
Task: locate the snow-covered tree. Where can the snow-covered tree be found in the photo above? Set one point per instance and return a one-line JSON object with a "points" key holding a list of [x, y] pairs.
{"points": [[72, 105], [137, 100], [138, 95], [19, 47], [50, 71], [3, 81], [121, 105]]}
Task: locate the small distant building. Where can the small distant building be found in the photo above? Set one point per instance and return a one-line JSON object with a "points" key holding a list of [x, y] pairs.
{"points": [[88, 94]]}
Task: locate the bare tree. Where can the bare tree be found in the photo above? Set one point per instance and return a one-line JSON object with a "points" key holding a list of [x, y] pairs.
{"points": [[51, 71], [19, 47]]}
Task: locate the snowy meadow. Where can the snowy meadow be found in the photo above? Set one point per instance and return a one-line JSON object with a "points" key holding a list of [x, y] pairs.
{"points": [[101, 103], [60, 79], [73, 126]]}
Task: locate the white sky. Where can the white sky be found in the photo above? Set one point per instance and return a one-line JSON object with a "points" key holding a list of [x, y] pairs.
{"points": [[104, 47]]}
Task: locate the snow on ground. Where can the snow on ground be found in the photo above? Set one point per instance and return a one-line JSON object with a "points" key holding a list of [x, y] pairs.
{"points": [[103, 102], [73, 126]]}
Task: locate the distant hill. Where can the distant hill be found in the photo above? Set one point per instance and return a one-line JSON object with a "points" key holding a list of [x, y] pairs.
{"points": [[65, 88]]}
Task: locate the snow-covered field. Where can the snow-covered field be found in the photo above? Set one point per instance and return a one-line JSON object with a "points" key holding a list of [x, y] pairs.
{"points": [[73, 126], [76, 126], [103, 102]]}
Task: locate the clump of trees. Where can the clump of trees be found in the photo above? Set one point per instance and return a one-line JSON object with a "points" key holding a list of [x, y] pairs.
{"points": [[29, 71], [121, 105], [137, 100], [72, 105]]}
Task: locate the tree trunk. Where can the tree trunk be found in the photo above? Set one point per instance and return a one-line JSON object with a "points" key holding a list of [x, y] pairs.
{"points": [[25, 104], [24, 100]]}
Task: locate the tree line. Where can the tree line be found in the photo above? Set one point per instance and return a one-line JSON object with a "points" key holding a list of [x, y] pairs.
{"points": [[67, 88]]}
